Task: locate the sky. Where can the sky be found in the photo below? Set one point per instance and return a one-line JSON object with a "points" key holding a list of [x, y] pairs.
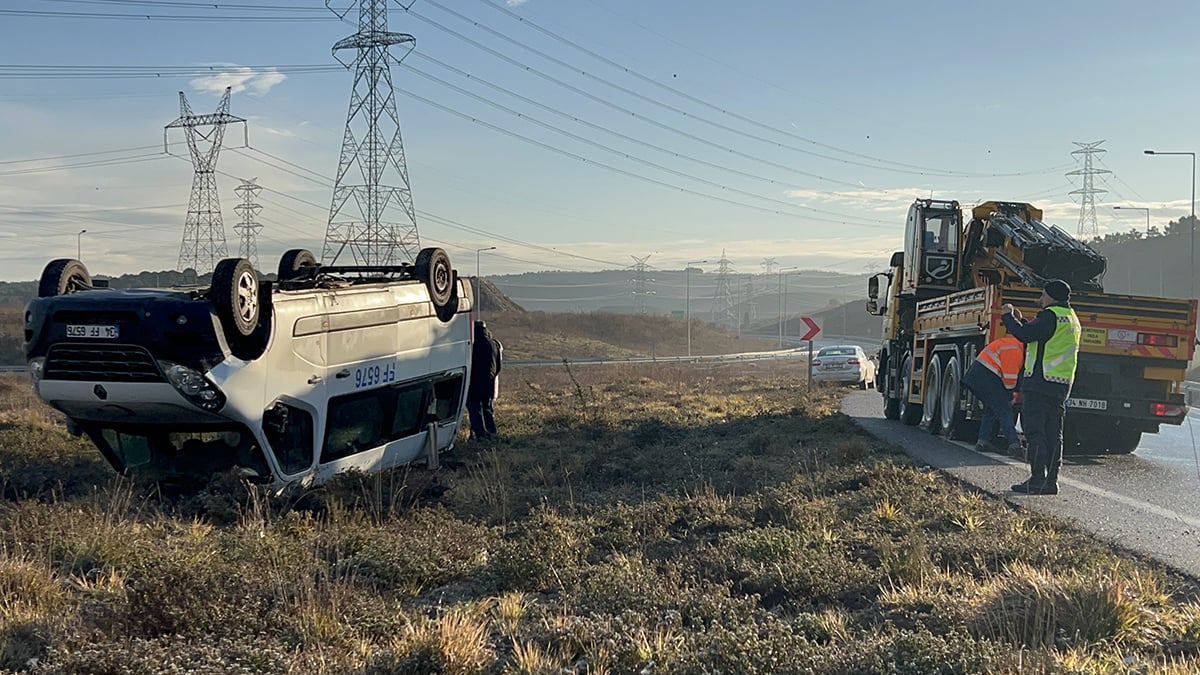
{"points": [[578, 134]]}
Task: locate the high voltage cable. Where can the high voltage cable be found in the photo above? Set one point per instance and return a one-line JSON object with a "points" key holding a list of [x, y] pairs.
{"points": [[196, 5], [626, 172], [116, 161], [161, 17], [435, 218], [625, 90], [896, 166], [665, 127], [44, 72], [640, 160], [79, 154]]}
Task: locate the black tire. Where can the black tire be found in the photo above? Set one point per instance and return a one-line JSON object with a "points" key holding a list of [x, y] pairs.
{"points": [[235, 294], [1124, 441], [447, 311], [955, 424], [62, 276], [891, 406], [293, 262], [931, 395], [910, 413], [1096, 435], [433, 268]]}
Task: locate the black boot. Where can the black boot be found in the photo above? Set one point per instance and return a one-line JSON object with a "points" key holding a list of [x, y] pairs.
{"points": [[1033, 485], [1050, 485]]}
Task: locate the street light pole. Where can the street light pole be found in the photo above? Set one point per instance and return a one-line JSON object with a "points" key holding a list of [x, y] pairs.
{"points": [[478, 292], [687, 303], [1136, 208], [783, 299], [1192, 259], [79, 245]]}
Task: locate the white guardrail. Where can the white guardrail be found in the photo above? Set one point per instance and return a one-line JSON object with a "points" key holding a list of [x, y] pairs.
{"points": [[718, 358]]}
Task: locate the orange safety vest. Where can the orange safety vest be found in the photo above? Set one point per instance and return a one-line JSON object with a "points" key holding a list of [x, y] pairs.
{"points": [[1005, 357]]}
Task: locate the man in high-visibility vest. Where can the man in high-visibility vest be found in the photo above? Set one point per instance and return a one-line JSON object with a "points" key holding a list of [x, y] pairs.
{"points": [[992, 378], [1051, 355]]}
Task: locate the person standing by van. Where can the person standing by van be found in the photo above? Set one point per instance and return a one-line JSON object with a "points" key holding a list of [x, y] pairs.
{"points": [[486, 362]]}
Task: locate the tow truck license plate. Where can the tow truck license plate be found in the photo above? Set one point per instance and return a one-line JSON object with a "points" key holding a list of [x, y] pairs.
{"points": [[1087, 404], [97, 332]]}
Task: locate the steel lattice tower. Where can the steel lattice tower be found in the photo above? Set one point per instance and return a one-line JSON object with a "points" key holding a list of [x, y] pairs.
{"points": [[640, 283], [1088, 229], [203, 231], [722, 311], [372, 212], [248, 227]]}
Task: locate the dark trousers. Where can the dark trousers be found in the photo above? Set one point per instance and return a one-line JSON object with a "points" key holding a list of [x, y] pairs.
{"points": [[1042, 420], [997, 410], [483, 422]]}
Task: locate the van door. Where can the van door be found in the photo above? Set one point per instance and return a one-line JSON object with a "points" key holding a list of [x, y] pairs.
{"points": [[296, 376]]}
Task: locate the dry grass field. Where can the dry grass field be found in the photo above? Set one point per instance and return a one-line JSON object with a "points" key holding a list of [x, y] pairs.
{"points": [[670, 519]]}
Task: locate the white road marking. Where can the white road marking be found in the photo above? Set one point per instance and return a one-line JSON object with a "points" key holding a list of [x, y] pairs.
{"points": [[1099, 492]]}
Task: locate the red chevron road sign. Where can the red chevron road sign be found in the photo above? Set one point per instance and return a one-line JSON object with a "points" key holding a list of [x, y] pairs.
{"points": [[814, 328]]}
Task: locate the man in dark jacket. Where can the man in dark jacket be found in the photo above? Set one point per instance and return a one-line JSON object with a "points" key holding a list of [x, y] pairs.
{"points": [[1051, 354], [486, 362]]}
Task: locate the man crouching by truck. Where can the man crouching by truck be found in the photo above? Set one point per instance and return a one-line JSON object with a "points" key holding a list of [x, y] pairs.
{"points": [[1051, 355], [992, 378]]}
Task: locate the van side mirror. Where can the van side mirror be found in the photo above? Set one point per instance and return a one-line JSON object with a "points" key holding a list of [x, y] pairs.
{"points": [[873, 288], [873, 307], [897, 259]]}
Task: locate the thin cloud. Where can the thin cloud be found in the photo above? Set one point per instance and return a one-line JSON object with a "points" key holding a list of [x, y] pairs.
{"points": [[515, 3], [239, 79]]}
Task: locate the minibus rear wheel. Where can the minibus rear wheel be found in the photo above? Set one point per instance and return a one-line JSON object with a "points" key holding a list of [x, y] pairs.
{"points": [[294, 263], [433, 268]]}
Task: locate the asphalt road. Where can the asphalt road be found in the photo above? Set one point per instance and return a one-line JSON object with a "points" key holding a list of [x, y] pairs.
{"points": [[1148, 502]]}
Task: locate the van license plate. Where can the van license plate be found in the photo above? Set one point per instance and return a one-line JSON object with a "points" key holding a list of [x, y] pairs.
{"points": [[1087, 404], [94, 332]]}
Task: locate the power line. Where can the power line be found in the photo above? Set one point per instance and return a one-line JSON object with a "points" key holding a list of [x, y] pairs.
{"points": [[895, 166], [665, 127], [33, 13], [646, 162], [196, 5], [632, 174], [424, 214], [98, 72]]}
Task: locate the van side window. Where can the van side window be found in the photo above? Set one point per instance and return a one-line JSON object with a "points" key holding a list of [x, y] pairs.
{"points": [[409, 417], [447, 396], [133, 450], [289, 430], [369, 419]]}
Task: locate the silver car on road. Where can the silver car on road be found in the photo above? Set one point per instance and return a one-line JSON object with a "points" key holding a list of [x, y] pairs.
{"points": [[844, 363]]}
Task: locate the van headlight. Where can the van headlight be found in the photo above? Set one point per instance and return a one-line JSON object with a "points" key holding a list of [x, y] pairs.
{"points": [[37, 368], [193, 385]]}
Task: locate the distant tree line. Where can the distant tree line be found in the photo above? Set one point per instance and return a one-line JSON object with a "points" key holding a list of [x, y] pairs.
{"points": [[1175, 228]]}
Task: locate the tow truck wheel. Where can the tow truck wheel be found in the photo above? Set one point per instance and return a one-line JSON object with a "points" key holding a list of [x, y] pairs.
{"points": [[955, 424], [235, 294], [910, 413], [433, 267], [62, 276], [930, 418], [1124, 440], [891, 406], [293, 264]]}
